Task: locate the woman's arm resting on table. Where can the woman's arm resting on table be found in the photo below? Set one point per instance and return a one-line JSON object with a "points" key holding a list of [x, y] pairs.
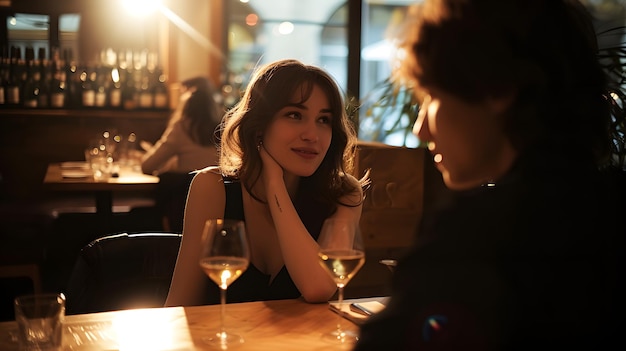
{"points": [[299, 249]]}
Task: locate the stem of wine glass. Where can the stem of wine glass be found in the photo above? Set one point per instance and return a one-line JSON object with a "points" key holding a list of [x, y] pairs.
{"points": [[222, 313], [340, 302]]}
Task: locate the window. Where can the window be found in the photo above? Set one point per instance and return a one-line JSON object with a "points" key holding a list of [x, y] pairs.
{"points": [[313, 31], [33, 30]]}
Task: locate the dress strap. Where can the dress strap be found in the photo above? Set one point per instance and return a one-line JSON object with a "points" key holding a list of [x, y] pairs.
{"points": [[234, 199]]}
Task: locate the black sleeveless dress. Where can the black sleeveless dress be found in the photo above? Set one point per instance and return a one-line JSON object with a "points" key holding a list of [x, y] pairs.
{"points": [[253, 285]]}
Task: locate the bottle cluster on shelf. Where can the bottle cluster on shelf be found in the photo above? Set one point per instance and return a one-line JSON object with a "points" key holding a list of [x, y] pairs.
{"points": [[117, 80]]}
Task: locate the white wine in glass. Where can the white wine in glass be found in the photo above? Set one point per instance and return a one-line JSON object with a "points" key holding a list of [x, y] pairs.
{"points": [[225, 256], [342, 254]]}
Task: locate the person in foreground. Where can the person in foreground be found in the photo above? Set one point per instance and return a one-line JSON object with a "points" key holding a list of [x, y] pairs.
{"points": [[286, 155], [188, 142], [524, 251]]}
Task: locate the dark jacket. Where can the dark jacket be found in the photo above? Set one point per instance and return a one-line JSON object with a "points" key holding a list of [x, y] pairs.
{"points": [[534, 261]]}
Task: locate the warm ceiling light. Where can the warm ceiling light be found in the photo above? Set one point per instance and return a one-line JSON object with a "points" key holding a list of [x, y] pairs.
{"points": [[285, 28], [252, 19], [140, 7]]}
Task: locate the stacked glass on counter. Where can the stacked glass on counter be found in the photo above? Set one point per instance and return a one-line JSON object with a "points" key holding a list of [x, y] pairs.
{"points": [[117, 80]]}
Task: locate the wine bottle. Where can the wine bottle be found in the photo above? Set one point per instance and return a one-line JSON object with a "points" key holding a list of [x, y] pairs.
{"points": [[45, 73], [115, 91], [88, 81], [130, 95], [146, 92], [30, 89], [100, 87], [160, 91], [58, 83], [73, 98], [13, 86], [4, 74]]}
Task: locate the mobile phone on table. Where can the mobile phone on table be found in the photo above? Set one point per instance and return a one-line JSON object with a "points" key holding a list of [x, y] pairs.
{"points": [[367, 308]]}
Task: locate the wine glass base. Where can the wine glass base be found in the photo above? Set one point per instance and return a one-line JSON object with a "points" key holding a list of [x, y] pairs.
{"points": [[340, 337], [224, 341]]}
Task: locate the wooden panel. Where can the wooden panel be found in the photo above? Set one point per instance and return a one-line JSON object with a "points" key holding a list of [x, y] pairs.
{"points": [[394, 203], [30, 141], [391, 214]]}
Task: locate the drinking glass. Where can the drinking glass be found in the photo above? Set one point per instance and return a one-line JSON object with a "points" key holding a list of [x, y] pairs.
{"points": [[225, 256], [342, 255], [40, 320], [100, 158]]}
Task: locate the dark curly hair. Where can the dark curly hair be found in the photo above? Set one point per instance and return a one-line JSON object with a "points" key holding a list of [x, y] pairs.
{"points": [[544, 52]]}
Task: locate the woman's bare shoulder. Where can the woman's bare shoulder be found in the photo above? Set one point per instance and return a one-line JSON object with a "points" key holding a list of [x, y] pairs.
{"points": [[214, 170], [208, 175], [206, 195]]}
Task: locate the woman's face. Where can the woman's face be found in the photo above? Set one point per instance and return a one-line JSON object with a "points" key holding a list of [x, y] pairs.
{"points": [[300, 134], [466, 139]]}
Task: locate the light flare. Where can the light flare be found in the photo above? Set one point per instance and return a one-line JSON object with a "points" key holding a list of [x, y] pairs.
{"points": [[143, 330], [434, 324], [189, 30], [141, 8], [225, 277]]}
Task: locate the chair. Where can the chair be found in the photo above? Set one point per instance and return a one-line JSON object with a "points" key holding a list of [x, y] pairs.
{"points": [[171, 197], [24, 231], [123, 271], [28, 270]]}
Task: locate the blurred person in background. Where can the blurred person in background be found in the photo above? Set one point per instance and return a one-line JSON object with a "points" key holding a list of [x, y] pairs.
{"points": [[188, 143], [527, 249]]}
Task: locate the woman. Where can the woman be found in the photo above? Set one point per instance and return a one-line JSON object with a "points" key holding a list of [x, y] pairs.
{"points": [[526, 250], [285, 160], [188, 142]]}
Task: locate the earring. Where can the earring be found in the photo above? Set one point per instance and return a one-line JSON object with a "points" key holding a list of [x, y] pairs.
{"points": [[259, 144]]}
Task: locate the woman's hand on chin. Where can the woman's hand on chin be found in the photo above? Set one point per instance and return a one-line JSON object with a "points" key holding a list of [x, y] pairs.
{"points": [[271, 168]]}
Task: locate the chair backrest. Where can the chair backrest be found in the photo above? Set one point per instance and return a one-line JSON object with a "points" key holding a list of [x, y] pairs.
{"points": [[123, 271], [171, 197]]}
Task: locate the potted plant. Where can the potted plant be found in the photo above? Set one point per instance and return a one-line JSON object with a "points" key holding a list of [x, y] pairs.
{"points": [[613, 59]]}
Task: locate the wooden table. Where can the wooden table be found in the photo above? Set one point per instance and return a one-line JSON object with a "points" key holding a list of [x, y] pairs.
{"points": [[265, 325], [66, 177]]}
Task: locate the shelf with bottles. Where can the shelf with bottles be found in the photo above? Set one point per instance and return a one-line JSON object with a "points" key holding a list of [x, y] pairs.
{"points": [[47, 113], [121, 80]]}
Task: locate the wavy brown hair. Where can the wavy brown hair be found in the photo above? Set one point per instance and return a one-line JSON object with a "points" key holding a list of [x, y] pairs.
{"points": [[271, 88]]}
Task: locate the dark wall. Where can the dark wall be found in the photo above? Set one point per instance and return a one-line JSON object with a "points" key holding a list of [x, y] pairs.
{"points": [[49, 7]]}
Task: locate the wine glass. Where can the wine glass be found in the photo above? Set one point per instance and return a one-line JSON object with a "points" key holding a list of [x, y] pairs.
{"points": [[342, 254], [225, 256]]}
